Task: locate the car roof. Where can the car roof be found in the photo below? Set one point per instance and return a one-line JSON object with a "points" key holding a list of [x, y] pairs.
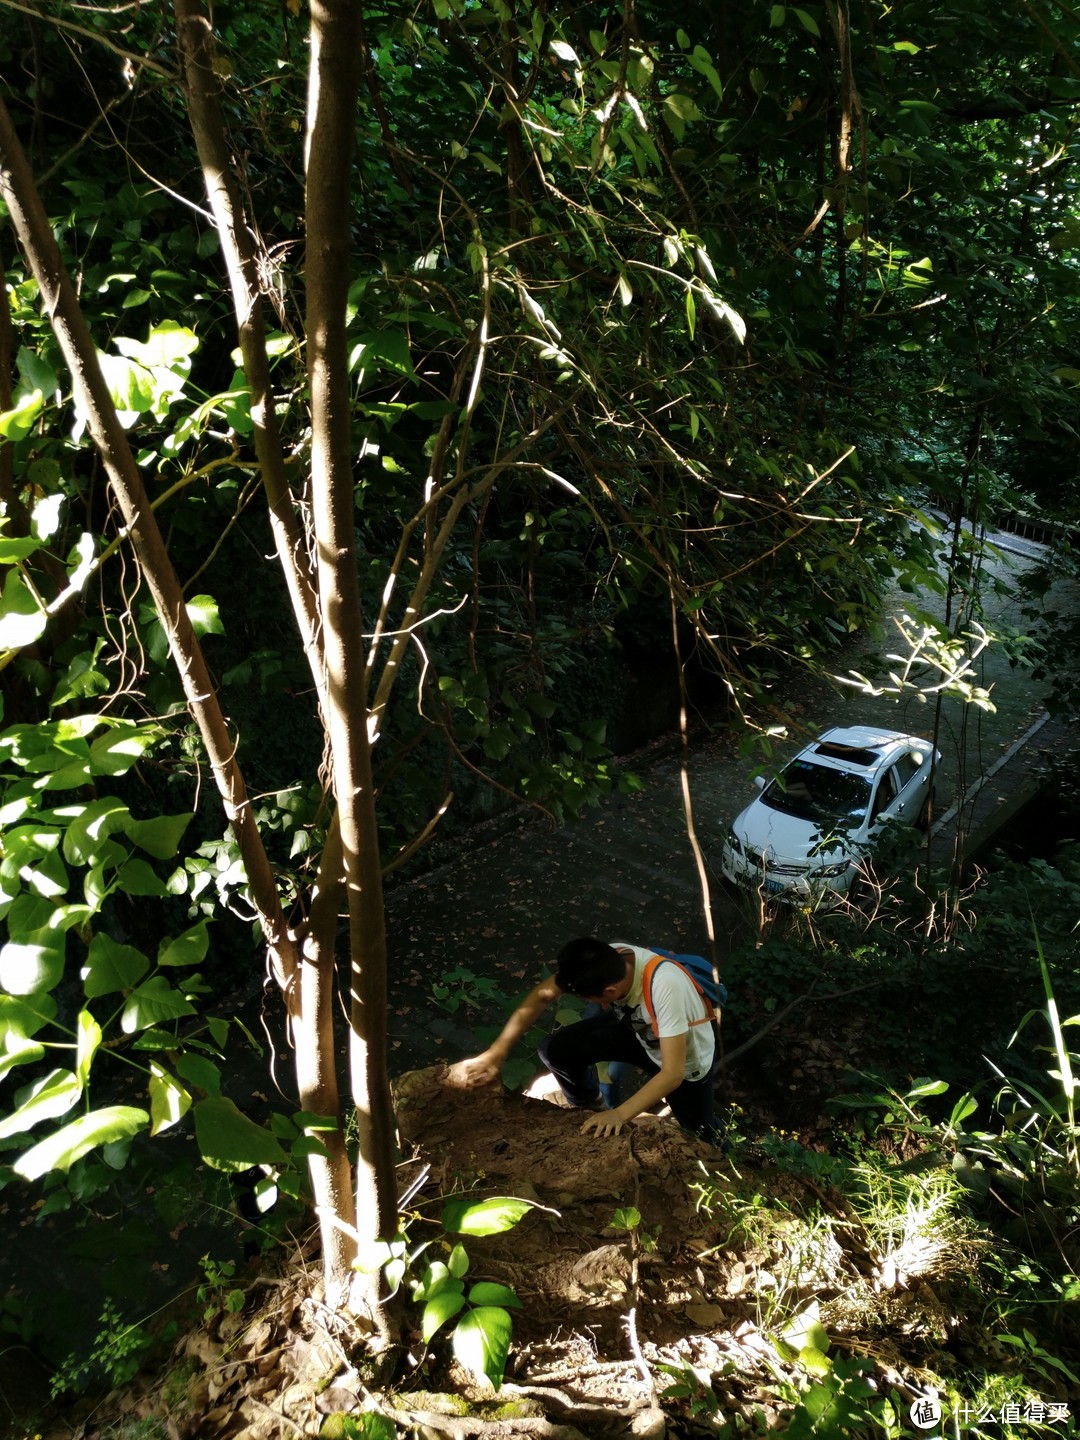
{"points": [[858, 747]]}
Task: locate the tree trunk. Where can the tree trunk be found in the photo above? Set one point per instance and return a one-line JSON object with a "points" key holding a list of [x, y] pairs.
{"points": [[313, 1007], [334, 79]]}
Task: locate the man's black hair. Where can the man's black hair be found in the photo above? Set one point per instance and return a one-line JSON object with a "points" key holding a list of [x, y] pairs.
{"points": [[587, 967]]}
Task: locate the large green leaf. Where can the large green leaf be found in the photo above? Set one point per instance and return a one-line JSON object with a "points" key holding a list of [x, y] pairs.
{"points": [[482, 1342], [22, 619], [383, 350], [16, 423], [90, 827], [111, 966], [118, 749], [488, 1292], [153, 1003], [230, 1141], [169, 1100], [133, 387], [33, 963], [37, 373], [186, 949], [100, 1127], [22, 1019], [16, 1049], [15, 548], [203, 613], [200, 1071], [46, 1099], [438, 1310], [492, 1216], [161, 835], [88, 1041], [167, 346], [138, 877]]}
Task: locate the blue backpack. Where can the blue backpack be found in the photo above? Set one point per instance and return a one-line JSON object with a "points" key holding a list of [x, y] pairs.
{"points": [[700, 972]]}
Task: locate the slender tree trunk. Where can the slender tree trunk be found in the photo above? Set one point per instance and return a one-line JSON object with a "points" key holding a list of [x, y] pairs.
{"points": [[336, 47], [313, 1017]]}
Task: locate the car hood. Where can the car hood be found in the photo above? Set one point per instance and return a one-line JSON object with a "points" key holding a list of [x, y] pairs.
{"points": [[760, 827]]}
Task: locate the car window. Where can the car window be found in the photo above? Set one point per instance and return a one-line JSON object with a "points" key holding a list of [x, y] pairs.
{"points": [[887, 791], [908, 766], [815, 792]]}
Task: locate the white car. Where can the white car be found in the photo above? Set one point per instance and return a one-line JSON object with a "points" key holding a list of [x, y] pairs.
{"points": [[805, 835]]}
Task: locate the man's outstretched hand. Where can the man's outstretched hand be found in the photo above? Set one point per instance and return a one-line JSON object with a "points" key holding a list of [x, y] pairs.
{"points": [[604, 1122], [476, 1071]]}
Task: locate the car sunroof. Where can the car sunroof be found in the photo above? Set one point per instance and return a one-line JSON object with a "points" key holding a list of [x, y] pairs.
{"points": [[853, 754]]}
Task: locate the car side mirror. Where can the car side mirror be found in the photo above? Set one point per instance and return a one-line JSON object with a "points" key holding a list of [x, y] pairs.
{"points": [[759, 781]]}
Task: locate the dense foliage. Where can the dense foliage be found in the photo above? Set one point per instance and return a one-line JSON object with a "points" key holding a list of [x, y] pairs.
{"points": [[659, 327]]}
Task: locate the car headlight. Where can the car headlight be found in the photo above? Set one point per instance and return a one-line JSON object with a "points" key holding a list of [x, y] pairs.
{"points": [[829, 872], [734, 841]]}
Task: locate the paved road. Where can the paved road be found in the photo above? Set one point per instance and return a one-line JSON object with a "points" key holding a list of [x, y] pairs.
{"points": [[627, 870]]}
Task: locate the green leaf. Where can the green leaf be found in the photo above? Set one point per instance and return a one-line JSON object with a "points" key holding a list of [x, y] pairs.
{"points": [[458, 1263], [438, 1310], [806, 1331], [132, 386], [88, 1040], [383, 350], [47, 1099], [33, 963], [100, 1127], [200, 1071], [22, 620], [169, 1101], [111, 966], [168, 345], [23, 1020], [203, 613], [160, 836], [492, 1216], [482, 1342], [230, 1141], [777, 16], [487, 1292], [115, 752], [186, 949], [36, 373], [13, 549], [137, 877], [16, 1049], [153, 1003], [435, 1278], [90, 827], [807, 21], [16, 423]]}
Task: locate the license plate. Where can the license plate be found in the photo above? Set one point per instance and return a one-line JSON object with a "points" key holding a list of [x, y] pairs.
{"points": [[774, 887]]}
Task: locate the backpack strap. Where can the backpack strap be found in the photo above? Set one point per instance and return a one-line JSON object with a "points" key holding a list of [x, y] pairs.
{"points": [[646, 990]]}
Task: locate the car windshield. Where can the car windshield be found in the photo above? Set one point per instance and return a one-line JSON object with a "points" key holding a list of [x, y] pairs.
{"points": [[816, 792]]}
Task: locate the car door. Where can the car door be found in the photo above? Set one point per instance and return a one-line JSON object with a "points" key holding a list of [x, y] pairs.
{"points": [[913, 779], [886, 798]]}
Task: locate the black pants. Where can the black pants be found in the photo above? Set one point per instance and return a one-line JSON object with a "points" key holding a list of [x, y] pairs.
{"points": [[571, 1054]]}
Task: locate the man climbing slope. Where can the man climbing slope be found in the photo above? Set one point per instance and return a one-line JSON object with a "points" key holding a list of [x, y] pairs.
{"points": [[651, 1014]]}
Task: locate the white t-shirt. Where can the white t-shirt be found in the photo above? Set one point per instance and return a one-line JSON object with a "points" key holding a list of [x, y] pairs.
{"points": [[677, 1003]]}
